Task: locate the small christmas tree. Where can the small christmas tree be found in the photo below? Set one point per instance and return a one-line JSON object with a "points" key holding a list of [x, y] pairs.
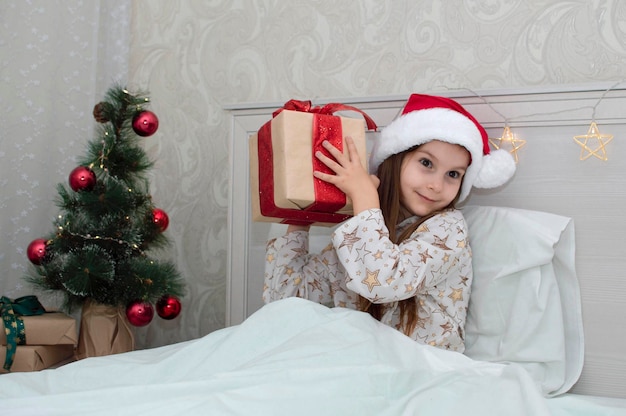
{"points": [[99, 250]]}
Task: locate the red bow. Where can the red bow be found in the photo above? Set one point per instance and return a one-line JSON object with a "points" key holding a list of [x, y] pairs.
{"points": [[329, 109]]}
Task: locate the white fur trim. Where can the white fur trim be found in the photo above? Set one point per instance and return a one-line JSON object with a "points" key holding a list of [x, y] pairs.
{"points": [[418, 127], [422, 126], [498, 168]]}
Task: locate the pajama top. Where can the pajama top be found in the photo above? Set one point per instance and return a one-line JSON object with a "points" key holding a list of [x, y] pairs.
{"points": [[434, 264]]}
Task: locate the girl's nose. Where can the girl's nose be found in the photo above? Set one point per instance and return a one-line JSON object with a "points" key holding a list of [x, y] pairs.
{"points": [[435, 184]]}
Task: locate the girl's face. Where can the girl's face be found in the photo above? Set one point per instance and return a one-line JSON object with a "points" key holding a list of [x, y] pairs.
{"points": [[431, 176]]}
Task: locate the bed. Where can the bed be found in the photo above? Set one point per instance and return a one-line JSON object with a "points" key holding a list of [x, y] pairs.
{"points": [[527, 343], [524, 340]]}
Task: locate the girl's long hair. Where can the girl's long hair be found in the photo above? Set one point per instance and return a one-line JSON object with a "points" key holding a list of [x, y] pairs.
{"points": [[389, 196]]}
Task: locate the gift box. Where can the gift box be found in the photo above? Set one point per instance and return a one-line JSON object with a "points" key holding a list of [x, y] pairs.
{"points": [[50, 328], [37, 357], [282, 161]]}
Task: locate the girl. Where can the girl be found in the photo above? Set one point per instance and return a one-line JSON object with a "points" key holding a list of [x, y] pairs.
{"points": [[404, 257]]}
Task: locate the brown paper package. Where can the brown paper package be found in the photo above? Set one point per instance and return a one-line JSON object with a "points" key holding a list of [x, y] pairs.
{"points": [[51, 328], [37, 357]]}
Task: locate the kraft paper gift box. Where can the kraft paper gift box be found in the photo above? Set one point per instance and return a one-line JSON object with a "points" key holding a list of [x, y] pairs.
{"points": [[37, 357], [50, 328], [282, 161]]}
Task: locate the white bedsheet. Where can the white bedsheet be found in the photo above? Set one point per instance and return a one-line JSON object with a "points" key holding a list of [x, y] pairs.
{"points": [[292, 357]]}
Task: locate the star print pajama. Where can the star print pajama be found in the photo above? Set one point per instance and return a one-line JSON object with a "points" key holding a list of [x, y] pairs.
{"points": [[434, 265]]}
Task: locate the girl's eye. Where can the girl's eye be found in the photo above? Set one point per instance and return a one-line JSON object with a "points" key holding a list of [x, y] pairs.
{"points": [[427, 163], [454, 174]]}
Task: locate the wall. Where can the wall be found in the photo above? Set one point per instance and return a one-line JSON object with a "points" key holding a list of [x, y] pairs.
{"points": [[57, 58], [199, 57]]}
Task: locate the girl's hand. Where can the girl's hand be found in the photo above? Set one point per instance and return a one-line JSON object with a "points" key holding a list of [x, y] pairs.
{"points": [[350, 176]]}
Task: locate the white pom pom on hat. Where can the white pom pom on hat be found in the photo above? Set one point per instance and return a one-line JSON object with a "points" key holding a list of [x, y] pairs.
{"points": [[427, 117]]}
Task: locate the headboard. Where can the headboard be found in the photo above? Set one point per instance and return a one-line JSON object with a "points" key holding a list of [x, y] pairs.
{"points": [[550, 177]]}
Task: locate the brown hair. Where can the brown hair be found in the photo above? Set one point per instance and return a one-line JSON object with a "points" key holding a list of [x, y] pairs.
{"points": [[389, 195]]}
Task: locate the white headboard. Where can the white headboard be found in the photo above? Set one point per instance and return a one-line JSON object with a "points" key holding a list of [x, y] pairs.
{"points": [[550, 177]]}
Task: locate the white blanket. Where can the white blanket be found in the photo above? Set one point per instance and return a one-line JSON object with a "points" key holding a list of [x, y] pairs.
{"points": [[293, 357]]}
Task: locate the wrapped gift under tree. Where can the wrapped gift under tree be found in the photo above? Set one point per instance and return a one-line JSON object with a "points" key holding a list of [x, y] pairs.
{"points": [[32, 338]]}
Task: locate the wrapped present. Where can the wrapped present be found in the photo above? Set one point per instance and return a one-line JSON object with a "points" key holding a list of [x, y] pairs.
{"points": [[50, 328], [37, 357], [26, 317], [282, 162]]}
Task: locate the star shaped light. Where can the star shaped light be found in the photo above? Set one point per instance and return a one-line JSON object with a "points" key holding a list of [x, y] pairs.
{"points": [[601, 140], [508, 138]]}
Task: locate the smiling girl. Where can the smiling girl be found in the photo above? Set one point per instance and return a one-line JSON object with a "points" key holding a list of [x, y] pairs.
{"points": [[404, 257]]}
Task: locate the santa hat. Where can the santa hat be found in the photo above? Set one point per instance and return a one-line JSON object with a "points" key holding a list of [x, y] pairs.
{"points": [[425, 118]]}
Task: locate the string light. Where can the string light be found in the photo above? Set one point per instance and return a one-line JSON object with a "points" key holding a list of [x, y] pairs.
{"points": [[593, 134], [600, 140], [88, 237], [510, 140], [592, 144], [102, 155]]}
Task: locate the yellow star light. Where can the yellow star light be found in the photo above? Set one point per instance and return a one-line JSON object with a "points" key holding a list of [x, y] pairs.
{"points": [[601, 140], [510, 140]]}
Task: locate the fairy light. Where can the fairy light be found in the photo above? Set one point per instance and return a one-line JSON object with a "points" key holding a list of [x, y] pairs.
{"points": [[599, 141], [102, 156], [592, 144], [88, 237], [508, 139]]}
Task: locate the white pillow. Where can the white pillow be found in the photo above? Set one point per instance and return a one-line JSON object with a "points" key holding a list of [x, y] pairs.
{"points": [[525, 305]]}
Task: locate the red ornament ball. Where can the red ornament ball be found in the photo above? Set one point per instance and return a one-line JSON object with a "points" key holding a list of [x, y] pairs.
{"points": [[145, 123], [36, 251], [139, 313], [160, 218], [82, 179], [168, 307]]}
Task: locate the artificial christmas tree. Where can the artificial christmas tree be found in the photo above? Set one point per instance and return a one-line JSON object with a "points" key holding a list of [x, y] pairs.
{"points": [[99, 252]]}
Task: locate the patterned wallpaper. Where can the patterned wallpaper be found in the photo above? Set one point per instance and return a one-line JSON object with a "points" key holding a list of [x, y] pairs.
{"points": [[56, 59], [197, 56]]}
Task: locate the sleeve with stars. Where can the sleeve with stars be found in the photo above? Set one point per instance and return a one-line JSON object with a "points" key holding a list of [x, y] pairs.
{"points": [[381, 271], [291, 271]]}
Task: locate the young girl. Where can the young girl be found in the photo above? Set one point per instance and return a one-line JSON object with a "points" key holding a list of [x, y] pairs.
{"points": [[404, 257]]}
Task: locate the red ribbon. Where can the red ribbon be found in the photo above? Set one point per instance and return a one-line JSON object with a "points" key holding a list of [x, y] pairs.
{"points": [[328, 198], [328, 109]]}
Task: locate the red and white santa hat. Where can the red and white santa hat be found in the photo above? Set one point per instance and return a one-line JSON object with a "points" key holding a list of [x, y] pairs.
{"points": [[425, 118]]}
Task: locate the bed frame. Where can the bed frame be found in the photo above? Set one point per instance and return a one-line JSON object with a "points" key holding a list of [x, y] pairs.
{"points": [[550, 177]]}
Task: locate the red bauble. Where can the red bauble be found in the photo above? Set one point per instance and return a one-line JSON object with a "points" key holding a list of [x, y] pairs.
{"points": [[168, 307], [160, 218], [36, 251], [82, 179], [139, 313], [145, 123]]}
